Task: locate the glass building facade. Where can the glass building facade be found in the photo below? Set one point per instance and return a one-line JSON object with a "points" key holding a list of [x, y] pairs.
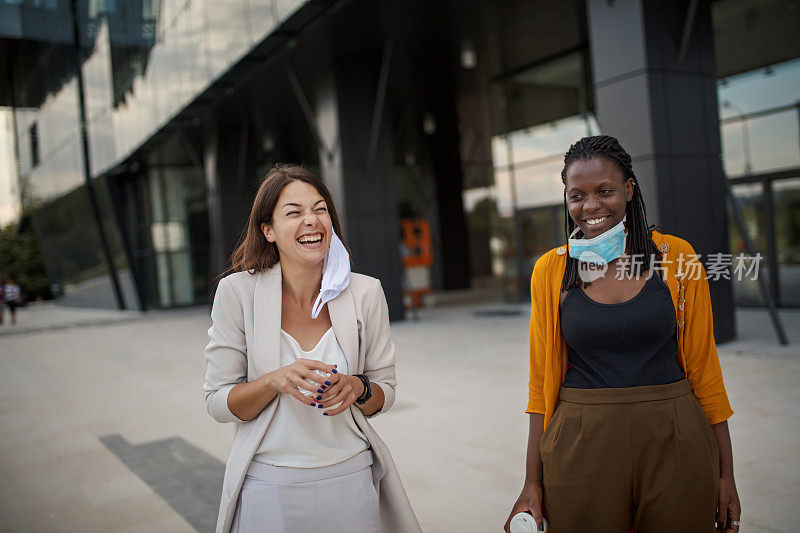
{"points": [[760, 125], [134, 234], [142, 129]]}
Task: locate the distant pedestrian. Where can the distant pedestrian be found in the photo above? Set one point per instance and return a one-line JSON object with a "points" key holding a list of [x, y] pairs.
{"points": [[300, 355], [628, 411], [11, 297]]}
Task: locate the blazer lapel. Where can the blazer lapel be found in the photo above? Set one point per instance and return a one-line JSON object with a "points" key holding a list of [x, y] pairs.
{"points": [[343, 318], [267, 321]]}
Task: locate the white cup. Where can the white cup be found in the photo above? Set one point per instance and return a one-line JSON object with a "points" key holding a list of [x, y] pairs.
{"points": [[524, 523], [311, 394]]}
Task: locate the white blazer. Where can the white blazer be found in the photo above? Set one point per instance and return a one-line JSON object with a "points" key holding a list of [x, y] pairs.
{"points": [[245, 344]]}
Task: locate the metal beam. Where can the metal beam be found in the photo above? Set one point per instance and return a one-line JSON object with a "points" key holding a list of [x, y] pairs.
{"points": [[191, 151], [687, 31], [309, 114], [87, 174], [380, 99]]}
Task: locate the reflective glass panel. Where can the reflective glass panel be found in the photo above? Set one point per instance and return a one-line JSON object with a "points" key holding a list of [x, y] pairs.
{"points": [[774, 86], [786, 205], [760, 123], [750, 197], [527, 181], [761, 144]]}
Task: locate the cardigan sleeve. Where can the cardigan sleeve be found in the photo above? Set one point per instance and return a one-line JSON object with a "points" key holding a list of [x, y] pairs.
{"points": [[379, 360], [702, 361], [226, 353], [536, 403]]}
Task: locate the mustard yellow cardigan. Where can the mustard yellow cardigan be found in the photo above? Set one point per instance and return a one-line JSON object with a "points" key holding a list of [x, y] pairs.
{"points": [[697, 350]]}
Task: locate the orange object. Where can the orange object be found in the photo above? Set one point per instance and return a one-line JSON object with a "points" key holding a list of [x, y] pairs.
{"points": [[417, 259], [697, 350], [417, 237]]}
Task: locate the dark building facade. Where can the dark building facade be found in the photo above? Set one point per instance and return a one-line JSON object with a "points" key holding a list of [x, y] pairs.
{"points": [[142, 129]]}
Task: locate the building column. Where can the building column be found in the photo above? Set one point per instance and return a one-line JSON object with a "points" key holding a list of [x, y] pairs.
{"points": [[445, 153], [216, 245], [364, 194], [655, 90]]}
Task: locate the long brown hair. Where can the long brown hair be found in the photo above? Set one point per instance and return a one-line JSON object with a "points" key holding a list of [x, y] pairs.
{"points": [[254, 252]]}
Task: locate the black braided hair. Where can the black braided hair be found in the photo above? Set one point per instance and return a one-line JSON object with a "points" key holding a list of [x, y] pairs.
{"points": [[639, 233]]}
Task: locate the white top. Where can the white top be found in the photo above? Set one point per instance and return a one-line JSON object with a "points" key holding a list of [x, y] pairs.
{"points": [[301, 436], [11, 292]]}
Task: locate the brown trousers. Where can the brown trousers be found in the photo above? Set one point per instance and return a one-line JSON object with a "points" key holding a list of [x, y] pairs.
{"points": [[641, 458]]}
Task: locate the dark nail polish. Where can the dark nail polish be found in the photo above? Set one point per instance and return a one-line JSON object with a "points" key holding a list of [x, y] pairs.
{"points": [[541, 526], [334, 371], [319, 398], [319, 391], [312, 404], [320, 406], [325, 414], [327, 383]]}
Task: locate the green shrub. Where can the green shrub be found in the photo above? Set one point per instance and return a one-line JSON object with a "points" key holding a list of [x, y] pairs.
{"points": [[20, 258]]}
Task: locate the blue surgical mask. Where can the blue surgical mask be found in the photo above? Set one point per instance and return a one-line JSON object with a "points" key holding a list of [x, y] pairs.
{"points": [[602, 249]]}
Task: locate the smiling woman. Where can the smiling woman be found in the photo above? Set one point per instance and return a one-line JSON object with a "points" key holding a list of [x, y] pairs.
{"points": [[628, 411], [595, 198], [256, 253], [301, 218], [300, 354], [600, 190]]}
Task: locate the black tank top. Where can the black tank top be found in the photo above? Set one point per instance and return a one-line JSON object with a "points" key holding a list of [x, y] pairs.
{"points": [[628, 344]]}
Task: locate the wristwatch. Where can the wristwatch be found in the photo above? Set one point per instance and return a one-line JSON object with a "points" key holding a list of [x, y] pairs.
{"points": [[364, 398]]}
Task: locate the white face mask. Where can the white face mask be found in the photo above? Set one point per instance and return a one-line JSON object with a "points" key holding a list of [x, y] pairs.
{"points": [[335, 274], [602, 249]]}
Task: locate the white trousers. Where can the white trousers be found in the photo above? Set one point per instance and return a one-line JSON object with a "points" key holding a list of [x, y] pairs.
{"points": [[336, 498]]}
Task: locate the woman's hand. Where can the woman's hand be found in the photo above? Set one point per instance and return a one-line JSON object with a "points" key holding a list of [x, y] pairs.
{"points": [[300, 375], [346, 389], [728, 507], [529, 501]]}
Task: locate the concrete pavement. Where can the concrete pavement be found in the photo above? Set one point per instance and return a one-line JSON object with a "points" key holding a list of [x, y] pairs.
{"points": [[37, 317], [104, 427]]}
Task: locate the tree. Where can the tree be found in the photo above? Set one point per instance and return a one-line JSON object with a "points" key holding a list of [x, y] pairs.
{"points": [[20, 259]]}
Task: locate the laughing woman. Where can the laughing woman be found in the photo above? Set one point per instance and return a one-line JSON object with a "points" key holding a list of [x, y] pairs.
{"points": [[300, 355], [628, 411]]}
